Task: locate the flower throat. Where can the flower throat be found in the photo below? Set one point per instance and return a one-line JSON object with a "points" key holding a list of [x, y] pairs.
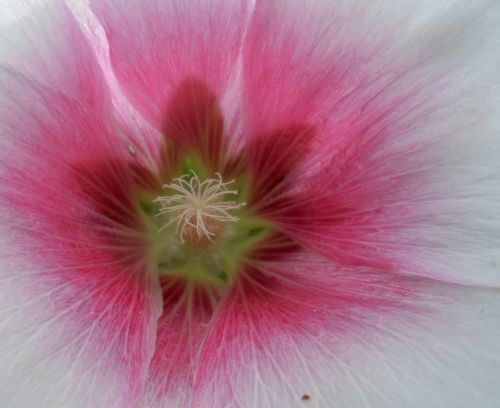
{"points": [[198, 228]]}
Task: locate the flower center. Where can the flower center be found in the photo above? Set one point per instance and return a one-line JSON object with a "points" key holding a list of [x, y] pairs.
{"points": [[198, 227], [199, 209]]}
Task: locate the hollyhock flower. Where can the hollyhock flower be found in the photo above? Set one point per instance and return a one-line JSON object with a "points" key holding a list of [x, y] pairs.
{"points": [[275, 203]]}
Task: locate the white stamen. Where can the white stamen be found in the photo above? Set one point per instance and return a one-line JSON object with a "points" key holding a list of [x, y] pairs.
{"points": [[198, 205]]}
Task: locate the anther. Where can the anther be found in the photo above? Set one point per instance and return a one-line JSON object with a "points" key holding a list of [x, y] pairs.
{"points": [[198, 208]]}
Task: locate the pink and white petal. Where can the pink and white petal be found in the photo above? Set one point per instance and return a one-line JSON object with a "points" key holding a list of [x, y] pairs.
{"points": [[400, 168], [351, 337], [77, 310], [157, 46]]}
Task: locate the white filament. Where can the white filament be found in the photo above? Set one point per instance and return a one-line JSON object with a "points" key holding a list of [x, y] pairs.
{"points": [[197, 203]]}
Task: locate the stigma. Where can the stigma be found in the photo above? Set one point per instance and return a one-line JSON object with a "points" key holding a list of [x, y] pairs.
{"points": [[199, 209]]}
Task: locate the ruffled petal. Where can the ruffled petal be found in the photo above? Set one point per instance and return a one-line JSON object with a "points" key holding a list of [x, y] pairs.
{"points": [[78, 307], [398, 134]]}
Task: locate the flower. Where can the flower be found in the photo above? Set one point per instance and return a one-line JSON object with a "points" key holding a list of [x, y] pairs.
{"points": [[250, 204]]}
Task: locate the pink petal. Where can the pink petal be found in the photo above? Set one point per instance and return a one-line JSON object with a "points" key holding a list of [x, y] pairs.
{"points": [[374, 341], [301, 327], [400, 170], [155, 46], [78, 309]]}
